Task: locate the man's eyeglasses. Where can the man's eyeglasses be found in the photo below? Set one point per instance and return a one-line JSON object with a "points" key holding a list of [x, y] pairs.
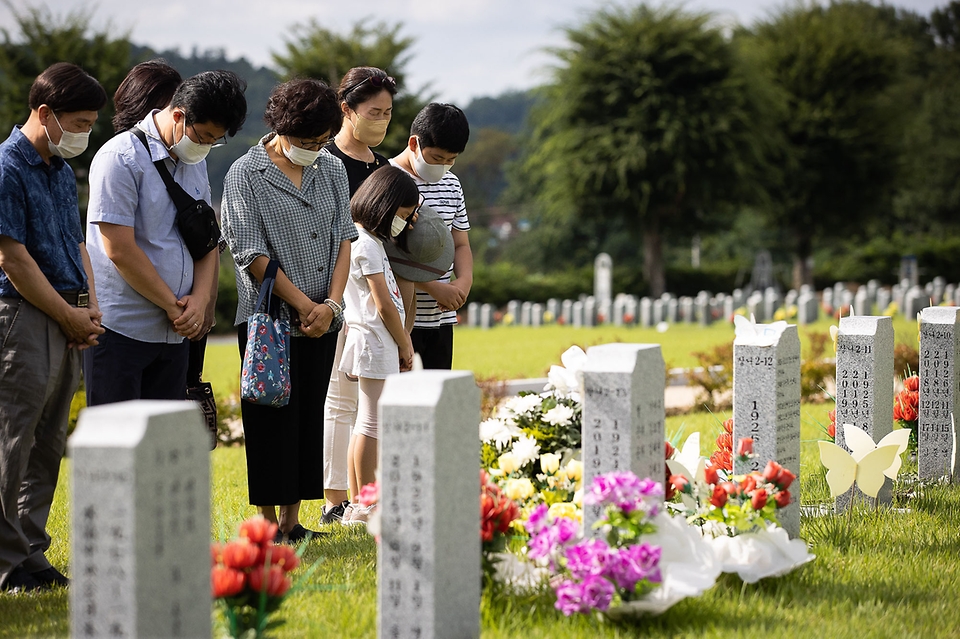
{"points": [[221, 141], [379, 81]]}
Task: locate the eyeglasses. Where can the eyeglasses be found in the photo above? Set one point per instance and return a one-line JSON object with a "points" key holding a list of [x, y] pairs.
{"points": [[221, 141], [310, 146], [383, 82]]}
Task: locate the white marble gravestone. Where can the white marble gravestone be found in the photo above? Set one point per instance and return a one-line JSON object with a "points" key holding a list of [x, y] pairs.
{"points": [[623, 414], [140, 531], [766, 407], [428, 567], [473, 314], [939, 389], [603, 280], [864, 383]]}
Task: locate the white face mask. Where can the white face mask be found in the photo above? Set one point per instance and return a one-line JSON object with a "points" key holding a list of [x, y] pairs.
{"points": [[431, 173], [396, 228], [71, 144], [300, 156], [188, 151]]}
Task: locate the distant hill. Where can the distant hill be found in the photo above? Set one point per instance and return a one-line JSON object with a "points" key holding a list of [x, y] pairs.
{"points": [[507, 112]]}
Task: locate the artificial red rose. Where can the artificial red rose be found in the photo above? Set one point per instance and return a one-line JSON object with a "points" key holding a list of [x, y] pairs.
{"points": [[759, 499], [912, 383], [897, 412], [748, 484], [728, 426], [681, 483], [669, 450], [745, 447], [710, 475], [272, 580], [240, 554], [283, 556], [729, 487], [772, 471], [227, 582], [725, 441], [258, 530], [782, 498], [719, 497], [784, 479], [909, 413]]}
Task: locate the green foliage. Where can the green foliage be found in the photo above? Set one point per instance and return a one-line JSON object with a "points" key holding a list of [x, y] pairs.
{"points": [[316, 52], [879, 257], [649, 124]]}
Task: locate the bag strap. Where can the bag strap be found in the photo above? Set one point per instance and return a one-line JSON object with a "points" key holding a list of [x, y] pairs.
{"points": [[179, 196], [266, 287]]}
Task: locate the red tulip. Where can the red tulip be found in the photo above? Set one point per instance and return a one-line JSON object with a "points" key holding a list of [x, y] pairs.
{"points": [[710, 475], [782, 498], [719, 496], [745, 447], [258, 530], [272, 580], [759, 499], [240, 554], [227, 582]]}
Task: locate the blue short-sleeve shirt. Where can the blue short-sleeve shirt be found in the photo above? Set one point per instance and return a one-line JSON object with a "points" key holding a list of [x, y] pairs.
{"points": [[38, 208]]}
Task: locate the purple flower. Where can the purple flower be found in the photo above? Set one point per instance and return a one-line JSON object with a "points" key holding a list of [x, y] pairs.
{"points": [[636, 563], [537, 520], [596, 593], [564, 530], [626, 491], [569, 597], [589, 557], [540, 546]]}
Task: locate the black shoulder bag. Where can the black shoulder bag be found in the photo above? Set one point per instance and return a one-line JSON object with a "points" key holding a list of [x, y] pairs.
{"points": [[196, 219]]}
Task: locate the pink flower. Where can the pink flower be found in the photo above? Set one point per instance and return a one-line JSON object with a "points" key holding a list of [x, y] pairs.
{"points": [[745, 447], [368, 495]]}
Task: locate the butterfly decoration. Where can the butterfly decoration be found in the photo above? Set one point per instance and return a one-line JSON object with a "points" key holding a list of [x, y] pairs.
{"points": [[869, 464], [687, 460], [749, 333]]}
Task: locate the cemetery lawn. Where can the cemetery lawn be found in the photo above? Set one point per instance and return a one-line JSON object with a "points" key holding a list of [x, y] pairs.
{"points": [[891, 574]]}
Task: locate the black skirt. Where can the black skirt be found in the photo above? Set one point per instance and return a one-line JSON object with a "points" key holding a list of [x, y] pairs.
{"points": [[284, 446]]}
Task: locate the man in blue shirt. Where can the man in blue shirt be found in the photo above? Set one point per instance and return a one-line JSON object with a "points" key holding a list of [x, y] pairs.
{"points": [[48, 312], [153, 294]]}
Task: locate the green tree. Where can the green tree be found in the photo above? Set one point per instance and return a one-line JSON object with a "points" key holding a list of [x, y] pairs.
{"points": [[650, 127], [837, 68], [317, 52], [42, 39]]}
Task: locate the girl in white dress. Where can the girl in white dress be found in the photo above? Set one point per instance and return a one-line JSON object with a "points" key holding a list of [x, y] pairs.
{"points": [[377, 344]]}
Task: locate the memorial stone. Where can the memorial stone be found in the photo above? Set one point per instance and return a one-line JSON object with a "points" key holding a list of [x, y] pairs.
{"points": [[864, 381], [486, 315], [755, 306], [140, 521], [939, 388], [566, 311], [604, 312], [623, 414], [473, 314], [646, 312], [536, 314], [938, 285], [673, 310], [772, 302], [428, 565], [956, 296], [630, 310], [525, 311], [948, 294], [729, 307], [618, 311], [577, 314], [766, 406], [861, 302], [658, 312], [590, 312], [702, 308], [808, 310], [738, 298], [883, 299], [827, 298], [686, 309], [790, 299], [603, 279], [513, 310], [914, 301], [553, 310]]}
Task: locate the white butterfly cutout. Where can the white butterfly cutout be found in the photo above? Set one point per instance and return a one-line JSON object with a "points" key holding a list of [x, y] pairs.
{"points": [[869, 465], [749, 333], [687, 460]]}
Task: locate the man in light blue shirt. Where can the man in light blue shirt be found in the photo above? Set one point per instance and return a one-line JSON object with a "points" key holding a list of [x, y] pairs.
{"points": [[152, 293]]}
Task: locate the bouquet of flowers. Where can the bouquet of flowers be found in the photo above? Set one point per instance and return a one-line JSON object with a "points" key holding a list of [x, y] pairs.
{"points": [[497, 513], [906, 406], [250, 577]]}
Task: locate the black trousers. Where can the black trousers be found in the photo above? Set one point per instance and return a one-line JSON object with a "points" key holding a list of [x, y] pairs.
{"points": [[435, 346], [121, 368]]}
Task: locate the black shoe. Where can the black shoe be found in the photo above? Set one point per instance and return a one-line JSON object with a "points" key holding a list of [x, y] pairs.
{"points": [[335, 514], [298, 533], [278, 536], [51, 578], [19, 580]]}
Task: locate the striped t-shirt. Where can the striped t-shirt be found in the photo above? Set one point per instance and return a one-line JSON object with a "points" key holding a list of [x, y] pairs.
{"points": [[446, 198]]}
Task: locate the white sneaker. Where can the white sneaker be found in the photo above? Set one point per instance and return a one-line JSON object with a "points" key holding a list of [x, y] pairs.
{"points": [[348, 513], [359, 515]]}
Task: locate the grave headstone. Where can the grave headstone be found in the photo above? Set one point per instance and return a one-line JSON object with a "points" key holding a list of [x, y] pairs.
{"points": [[938, 286], [630, 310], [525, 312], [646, 312], [948, 294], [766, 407], [536, 314], [140, 529], [772, 302], [553, 310], [659, 313], [603, 279], [790, 299], [883, 299], [686, 309], [673, 310], [956, 296], [729, 307], [909, 270], [513, 310], [604, 312], [864, 381], [577, 314], [808, 310], [827, 298], [590, 312], [623, 413], [755, 306], [473, 314], [939, 388], [618, 310], [486, 315], [861, 302], [914, 301], [703, 308], [738, 298], [566, 311], [428, 566]]}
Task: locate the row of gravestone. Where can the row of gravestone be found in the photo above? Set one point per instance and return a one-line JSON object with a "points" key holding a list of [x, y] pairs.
{"points": [[140, 483], [705, 308]]}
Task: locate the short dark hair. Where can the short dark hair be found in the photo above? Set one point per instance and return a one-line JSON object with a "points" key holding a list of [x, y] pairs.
{"points": [[66, 88], [213, 96], [149, 85], [303, 108], [355, 89], [443, 126], [378, 198]]}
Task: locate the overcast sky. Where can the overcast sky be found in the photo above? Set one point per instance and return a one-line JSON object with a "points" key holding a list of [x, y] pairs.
{"points": [[464, 48]]}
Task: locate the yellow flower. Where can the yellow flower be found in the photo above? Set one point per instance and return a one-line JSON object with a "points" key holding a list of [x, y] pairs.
{"points": [[564, 509], [575, 469], [549, 462], [519, 489], [508, 463], [578, 498]]}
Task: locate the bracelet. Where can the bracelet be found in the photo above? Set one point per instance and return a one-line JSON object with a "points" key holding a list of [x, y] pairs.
{"points": [[336, 308]]}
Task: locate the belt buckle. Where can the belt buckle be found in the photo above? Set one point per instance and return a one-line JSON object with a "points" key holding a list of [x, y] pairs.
{"points": [[83, 299]]}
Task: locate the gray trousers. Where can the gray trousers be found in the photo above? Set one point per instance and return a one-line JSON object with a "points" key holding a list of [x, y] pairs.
{"points": [[38, 378]]}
